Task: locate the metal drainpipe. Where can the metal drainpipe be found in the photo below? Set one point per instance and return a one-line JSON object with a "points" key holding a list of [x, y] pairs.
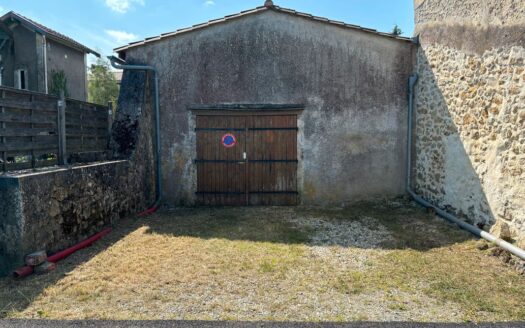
{"points": [[462, 224], [120, 64], [44, 45]]}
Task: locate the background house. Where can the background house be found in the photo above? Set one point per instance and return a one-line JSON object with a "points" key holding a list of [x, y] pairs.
{"points": [[30, 53]]}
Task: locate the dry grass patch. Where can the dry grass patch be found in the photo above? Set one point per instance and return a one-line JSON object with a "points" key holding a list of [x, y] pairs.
{"points": [[365, 262]]}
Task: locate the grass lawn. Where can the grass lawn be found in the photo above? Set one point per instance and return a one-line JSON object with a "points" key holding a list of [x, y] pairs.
{"points": [[369, 262]]}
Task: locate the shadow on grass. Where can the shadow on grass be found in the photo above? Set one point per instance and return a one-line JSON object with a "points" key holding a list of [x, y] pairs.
{"points": [[409, 225], [17, 294]]}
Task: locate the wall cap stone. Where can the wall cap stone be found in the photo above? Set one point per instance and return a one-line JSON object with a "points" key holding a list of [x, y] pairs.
{"points": [[25, 174]]}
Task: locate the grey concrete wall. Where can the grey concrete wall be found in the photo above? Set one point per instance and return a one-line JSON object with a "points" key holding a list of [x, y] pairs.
{"points": [[470, 111], [352, 131], [27, 53], [71, 61], [22, 58], [8, 63]]}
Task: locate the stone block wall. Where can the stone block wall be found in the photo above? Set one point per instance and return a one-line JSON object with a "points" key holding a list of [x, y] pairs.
{"points": [[470, 111], [55, 208]]}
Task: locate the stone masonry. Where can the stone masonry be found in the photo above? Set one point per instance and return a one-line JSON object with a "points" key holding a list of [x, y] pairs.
{"points": [[470, 111], [57, 207]]}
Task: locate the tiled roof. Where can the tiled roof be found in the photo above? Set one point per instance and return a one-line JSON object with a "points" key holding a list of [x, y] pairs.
{"points": [[254, 11], [48, 32]]}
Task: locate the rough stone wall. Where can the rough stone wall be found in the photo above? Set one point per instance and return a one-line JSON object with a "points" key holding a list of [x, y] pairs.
{"points": [[56, 208], [470, 111], [496, 12], [353, 85], [10, 211]]}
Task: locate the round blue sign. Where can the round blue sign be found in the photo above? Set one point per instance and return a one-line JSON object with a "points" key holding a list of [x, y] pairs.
{"points": [[229, 140]]}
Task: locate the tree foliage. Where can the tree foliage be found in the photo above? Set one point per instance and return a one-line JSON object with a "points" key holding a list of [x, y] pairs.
{"points": [[397, 30], [102, 85], [58, 83]]}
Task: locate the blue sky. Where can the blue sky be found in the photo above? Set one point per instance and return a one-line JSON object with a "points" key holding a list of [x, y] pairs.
{"points": [[106, 24]]}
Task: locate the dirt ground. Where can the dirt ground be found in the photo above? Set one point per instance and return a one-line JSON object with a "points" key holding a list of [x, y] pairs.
{"points": [[366, 262]]}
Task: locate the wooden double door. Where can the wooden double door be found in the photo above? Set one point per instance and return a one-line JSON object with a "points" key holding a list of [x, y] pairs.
{"points": [[247, 159]]}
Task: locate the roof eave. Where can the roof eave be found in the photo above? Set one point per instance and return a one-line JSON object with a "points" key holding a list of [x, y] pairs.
{"points": [[27, 24], [83, 49], [254, 11]]}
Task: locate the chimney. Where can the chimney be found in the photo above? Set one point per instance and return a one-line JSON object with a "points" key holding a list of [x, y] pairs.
{"points": [[268, 3]]}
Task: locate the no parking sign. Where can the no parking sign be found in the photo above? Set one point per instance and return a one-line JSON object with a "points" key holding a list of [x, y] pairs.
{"points": [[229, 140]]}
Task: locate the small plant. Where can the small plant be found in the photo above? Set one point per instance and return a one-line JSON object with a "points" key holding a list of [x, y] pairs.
{"points": [[397, 30], [58, 83]]}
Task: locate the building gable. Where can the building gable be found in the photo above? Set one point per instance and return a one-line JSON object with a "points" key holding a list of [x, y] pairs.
{"points": [[268, 7], [46, 31]]}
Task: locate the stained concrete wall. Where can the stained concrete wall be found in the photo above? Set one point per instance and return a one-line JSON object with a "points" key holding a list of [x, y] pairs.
{"points": [[26, 52], [353, 85], [470, 111], [20, 55], [8, 63], [71, 61]]}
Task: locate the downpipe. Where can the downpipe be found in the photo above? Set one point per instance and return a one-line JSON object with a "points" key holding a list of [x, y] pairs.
{"points": [[120, 64], [447, 216]]}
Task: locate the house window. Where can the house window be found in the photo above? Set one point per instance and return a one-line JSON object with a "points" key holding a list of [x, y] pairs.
{"points": [[21, 79]]}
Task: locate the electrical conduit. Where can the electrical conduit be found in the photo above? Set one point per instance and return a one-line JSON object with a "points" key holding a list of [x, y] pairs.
{"points": [[472, 229], [27, 270], [120, 64]]}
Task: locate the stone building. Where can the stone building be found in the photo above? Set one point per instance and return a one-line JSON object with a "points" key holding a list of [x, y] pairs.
{"points": [[470, 111], [31, 52], [334, 94]]}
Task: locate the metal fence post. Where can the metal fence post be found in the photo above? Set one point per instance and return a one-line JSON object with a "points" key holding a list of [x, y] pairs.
{"points": [[62, 152]]}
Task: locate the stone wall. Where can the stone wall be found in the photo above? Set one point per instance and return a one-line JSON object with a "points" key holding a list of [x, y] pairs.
{"points": [[57, 207], [470, 111]]}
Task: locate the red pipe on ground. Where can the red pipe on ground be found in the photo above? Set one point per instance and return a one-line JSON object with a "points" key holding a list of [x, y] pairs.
{"points": [[149, 211], [27, 270]]}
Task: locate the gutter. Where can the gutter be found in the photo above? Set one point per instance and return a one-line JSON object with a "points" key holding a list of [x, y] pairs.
{"points": [[447, 216], [120, 64]]}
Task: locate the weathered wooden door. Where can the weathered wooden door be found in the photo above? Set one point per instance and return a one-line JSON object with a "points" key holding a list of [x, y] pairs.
{"points": [[247, 159]]}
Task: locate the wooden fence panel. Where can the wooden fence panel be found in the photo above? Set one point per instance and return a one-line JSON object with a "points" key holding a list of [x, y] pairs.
{"points": [[30, 132]]}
